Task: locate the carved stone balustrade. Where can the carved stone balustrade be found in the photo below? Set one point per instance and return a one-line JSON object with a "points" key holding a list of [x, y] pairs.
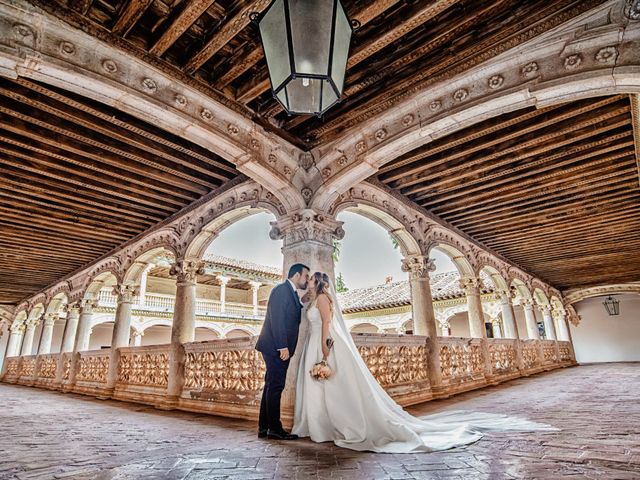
{"points": [[399, 364], [549, 352], [531, 354], [143, 373], [504, 358], [12, 372], [92, 369], [47, 368], [566, 352], [461, 363], [28, 370]]}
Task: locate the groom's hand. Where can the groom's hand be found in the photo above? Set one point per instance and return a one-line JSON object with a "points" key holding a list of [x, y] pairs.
{"points": [[284, 354]]}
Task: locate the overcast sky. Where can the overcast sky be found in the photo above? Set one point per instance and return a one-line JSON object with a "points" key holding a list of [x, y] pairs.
{"points": [[367, 255]]}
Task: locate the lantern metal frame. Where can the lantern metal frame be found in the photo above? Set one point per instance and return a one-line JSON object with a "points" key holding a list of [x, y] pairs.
{"points": [[257, 19], [612, 306]]}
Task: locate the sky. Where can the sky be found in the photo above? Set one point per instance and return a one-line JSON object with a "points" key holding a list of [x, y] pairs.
{"points": [[367, 255]]}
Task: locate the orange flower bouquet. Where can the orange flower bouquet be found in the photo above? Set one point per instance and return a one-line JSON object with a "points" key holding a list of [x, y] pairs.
{"points": [[321, 370]]}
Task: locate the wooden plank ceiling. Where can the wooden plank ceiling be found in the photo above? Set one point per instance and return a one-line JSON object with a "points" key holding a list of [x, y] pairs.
{"points": [[399, 46], [555, 190], [78, 178]]}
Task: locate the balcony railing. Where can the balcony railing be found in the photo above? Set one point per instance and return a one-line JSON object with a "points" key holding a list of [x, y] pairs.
{"points": [[154, 302]]}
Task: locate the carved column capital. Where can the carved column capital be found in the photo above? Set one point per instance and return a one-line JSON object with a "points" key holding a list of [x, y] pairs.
{"points": [[71, 309], [51, 318], [545, 309], [87, 305], [32, 323], [418, 266], [255, 285], [125, 293], [187, 271], [470, 285], [527, 304], [307, 225], [17, 328], [223, 279]]}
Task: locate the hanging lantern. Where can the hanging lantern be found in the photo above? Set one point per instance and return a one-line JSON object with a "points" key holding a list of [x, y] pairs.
{"points": [[306, 45], [612, 306]]}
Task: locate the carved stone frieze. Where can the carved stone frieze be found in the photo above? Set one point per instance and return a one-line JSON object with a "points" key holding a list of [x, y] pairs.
{"points": [[147, 368], [460, 360], [93, 368]]}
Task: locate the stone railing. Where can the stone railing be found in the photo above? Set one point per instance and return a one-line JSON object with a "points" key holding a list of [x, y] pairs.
{"points": [[226, 376], [503, 353], [461, 361], [399, 364], [92, 368]]}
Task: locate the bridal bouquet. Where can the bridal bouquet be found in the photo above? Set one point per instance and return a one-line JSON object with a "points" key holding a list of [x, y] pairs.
{"points": [[321, 370]]}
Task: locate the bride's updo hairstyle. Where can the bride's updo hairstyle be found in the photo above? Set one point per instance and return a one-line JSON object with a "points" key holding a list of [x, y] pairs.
{"points": [[323, 285]]}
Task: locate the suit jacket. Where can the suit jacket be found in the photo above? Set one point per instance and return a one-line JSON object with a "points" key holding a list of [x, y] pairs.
{"points": [[282, 322]]}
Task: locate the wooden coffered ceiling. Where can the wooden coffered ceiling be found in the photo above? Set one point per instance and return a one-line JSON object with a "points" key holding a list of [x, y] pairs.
{"points": [[78, 178], [555, 189], [399, 47]]}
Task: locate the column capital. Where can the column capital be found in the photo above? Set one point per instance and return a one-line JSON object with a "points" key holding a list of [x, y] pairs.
{"points": [[87, 305], [17, 328], [527, 303], [255, 285], [71, 309], [307, 225], [125, 293], [504, 297], [187, 270], [223, 279], [544, 309], [471, 285], [418, 266], [138, 333], [50, 318], [32, 323]]}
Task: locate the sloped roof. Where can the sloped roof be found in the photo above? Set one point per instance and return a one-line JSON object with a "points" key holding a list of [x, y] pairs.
{"points": [[443, 286], [235, 263]]}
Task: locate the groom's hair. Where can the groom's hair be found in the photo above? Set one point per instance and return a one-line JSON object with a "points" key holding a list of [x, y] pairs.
{"points": [[296, 268]]}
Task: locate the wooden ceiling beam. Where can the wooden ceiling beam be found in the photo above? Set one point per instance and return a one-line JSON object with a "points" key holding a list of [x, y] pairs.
{"points": [[191, 11], [131, 13]]}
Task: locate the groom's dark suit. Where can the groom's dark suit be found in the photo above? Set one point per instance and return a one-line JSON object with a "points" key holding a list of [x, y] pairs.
{"points": [[280, 330]]}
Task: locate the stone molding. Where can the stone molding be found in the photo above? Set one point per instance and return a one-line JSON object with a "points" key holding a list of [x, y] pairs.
{"points": [[576, 295]]}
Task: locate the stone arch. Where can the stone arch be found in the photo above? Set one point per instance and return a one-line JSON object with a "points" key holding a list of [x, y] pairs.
{"points": [[199, 228], [383, 209], [238, 332], [6, 315], [574, 296], [150, 246], [452, 250], [137, 264], [95, 283], [521, 289], [108, 267], [210, 327], [56, 303], [496, 277], [540, 297], [365, 327], [142, 326], [36, 310], [21, 316]]}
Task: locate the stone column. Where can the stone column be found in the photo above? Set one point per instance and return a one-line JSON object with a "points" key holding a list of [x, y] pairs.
{"points": [[223, 292], [254, 290], [143, 285], [497, 329], [15, 339], [184, 324], [563, 329], [71, 327], [471, 286], [530, 319], [424, 320], [121, 329], [307, 238], [27, 343], [549, 327], [508, 316], [84, 326], [137, 338], [47, 333]]}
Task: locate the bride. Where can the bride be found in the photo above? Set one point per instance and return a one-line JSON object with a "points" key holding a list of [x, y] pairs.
{"points": [[351, 409]]}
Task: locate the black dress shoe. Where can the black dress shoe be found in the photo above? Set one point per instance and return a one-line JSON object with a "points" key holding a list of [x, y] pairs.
{"points": [[262, 433], [281, 435]]}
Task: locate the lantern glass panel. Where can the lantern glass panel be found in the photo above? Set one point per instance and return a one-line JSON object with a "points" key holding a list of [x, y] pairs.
{"points": [[311, 22], [273, 30], [329, 96], [304, 95], [342, 39]]}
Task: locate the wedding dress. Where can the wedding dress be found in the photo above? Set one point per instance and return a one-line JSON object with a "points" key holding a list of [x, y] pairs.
{"points": [[354, 411]]}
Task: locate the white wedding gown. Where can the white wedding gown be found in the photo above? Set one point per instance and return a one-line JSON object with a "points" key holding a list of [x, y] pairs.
{"points": [[354, 411]]}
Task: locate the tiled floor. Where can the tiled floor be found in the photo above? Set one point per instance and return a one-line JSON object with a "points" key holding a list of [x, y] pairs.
{"points": [[52, 435]]}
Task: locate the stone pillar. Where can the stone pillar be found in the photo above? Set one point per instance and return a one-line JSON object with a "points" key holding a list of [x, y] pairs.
{"points": [[530, 319], [307, 238], [27, 343], [549, 327], [143, 285], [497, 329], [47, 333], [508, 316], [563, 329], [84, 326], [184, 324], [137, 338], [15, 339], [121, 329], [71, 327], [223, 292], [424, 320], [254, 290], [471, 286]]}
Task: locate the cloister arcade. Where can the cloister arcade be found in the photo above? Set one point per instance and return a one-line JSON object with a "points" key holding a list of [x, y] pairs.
{"points": [[147, 312]]}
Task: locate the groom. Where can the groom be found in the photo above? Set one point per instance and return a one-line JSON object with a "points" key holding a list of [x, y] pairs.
{"points": [[277, 343]]}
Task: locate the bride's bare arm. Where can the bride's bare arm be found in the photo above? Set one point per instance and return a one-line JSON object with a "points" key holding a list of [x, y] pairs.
{"points": [[325, 313]]}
